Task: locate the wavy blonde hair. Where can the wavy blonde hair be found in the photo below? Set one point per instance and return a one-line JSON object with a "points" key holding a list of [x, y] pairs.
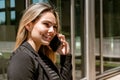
{"points": [[31, 14]]}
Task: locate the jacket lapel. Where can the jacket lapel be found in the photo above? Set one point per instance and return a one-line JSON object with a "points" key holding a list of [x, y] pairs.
{"points": [[40, 61], [37, 57]]}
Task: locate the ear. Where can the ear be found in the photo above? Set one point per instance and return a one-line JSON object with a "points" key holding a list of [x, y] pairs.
{"points": [[29, 27]]}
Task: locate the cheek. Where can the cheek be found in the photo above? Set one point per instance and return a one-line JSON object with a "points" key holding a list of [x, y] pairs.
{"points": [[37, 31], [41, 30], [36, 34]]}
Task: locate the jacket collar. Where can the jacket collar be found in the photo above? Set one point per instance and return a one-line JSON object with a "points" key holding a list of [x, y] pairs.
{"points": [[42, 63], [28, 46], [40, 59]]}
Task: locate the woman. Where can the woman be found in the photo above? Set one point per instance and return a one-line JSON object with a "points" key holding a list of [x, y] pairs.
{"points": [[33, 58]]}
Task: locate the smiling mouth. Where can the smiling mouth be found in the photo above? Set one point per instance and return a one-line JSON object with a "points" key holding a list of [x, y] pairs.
{"points": [[47, 38]]}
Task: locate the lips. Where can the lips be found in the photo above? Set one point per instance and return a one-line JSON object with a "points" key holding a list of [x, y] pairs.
{"points": [[47, 38]]}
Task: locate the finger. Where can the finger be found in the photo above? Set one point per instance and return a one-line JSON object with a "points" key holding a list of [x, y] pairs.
{"points": [[61, 37]]}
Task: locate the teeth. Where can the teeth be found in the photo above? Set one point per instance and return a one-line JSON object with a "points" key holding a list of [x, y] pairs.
{"points": [[48, 38]]}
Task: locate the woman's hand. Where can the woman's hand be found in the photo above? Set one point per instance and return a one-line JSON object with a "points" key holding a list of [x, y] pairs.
{"points": [[64, 48]]}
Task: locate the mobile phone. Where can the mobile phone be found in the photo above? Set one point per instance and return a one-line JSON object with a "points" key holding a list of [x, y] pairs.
{"points": [[55, 43]]}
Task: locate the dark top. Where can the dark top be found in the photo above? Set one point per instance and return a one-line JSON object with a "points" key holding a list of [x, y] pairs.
{"points": [[26, 64]]}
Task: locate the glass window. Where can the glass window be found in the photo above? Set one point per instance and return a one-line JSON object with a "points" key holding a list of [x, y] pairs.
{"points": [[2, 4], [79, 55], [111, 33], [35, 1], [12, 3], [13, 17], [2, 18], [107, 52]]}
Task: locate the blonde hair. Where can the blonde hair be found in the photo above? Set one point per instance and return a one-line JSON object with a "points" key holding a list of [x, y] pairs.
{"points": [[32, 13]]}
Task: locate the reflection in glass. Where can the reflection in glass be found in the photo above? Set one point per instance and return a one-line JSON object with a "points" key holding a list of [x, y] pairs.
{"points": [[12, 15], [12, 3], [35, 1], [2, 4], [111, 35], [2, 17]]}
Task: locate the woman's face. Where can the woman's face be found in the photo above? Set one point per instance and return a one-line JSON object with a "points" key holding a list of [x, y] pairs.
{"points": [[44, 29]]}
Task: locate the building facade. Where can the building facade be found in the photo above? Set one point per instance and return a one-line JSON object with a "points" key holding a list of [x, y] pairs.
{"points": [[92, 28]]}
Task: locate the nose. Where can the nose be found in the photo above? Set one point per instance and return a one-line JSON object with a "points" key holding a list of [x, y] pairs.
{"points": [[51, 29]]}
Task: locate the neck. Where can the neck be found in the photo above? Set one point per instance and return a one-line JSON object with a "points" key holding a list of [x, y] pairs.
{"points": [[35, 45]]}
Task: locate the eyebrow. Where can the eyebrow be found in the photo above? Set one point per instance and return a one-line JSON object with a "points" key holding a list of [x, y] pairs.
{"points": [[49, 22]]}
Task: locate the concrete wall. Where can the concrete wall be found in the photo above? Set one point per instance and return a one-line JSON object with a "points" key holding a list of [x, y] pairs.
{"points": [[7, 33]]}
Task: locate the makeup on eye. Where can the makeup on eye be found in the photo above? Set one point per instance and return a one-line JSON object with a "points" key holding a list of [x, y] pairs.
{"points": [[49, 24]]}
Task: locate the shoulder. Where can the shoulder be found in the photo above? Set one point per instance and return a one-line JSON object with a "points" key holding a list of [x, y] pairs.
{"points": [[20, 53], [21, 65], [21, 56], [21, 61]]}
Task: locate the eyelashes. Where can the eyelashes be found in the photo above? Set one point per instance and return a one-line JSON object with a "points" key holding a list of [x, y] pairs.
{"points": [[48, 25]]}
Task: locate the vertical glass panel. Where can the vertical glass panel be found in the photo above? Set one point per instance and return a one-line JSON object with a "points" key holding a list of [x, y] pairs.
{"points": [[12, 17], [2, 4], [35, 1], [12, 3], [79, 56], [97, 35], [2, 18], [111, 35]]}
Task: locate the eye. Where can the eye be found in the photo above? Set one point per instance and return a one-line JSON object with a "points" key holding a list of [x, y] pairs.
{"points": [[55, 27], [46, 24]]}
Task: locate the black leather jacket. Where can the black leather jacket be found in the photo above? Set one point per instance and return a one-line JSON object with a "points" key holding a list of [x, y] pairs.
{"points": [[26, 64]]}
